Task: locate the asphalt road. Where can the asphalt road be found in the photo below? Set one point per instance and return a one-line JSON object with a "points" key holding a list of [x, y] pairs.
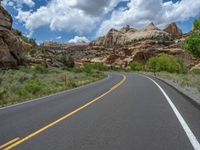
{"points": [[125, 112]]}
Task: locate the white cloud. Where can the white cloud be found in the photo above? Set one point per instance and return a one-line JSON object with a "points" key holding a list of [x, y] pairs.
{"points": [[58, 37], [80, 16], [19, 3], [141, 12], [78, 39], [95, 7], [29, 3], [59, 16], [85, 16]]}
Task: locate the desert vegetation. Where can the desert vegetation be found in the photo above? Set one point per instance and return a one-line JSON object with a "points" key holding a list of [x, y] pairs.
{"points": [[28, 83], [191, 79], [161, 63]]}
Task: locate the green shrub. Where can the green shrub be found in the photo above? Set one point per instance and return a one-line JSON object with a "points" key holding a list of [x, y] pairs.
{"points": [[40, 69], [23, 59], [181, 65], [165, 63], [89, 67], [77, 70], [192, 43], [136, 66], [1, 80], [71, 84], [3, 92], [30, 87], [196, 71], [100, 67], [68, 61]]}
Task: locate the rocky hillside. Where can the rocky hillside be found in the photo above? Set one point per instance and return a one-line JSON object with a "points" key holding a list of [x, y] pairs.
{"points": [[128, 35], [55, 54], [12, 46], [120, 47]]}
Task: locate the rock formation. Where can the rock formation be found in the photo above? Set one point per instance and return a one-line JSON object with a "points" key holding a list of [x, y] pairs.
{"points": [[174, 30], [11, 46], [117, 47], [53, 54], [128, 35], [120, 47]]}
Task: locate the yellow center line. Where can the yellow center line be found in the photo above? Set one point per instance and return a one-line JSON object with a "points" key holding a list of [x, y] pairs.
{"points": [[66, 116], [10, 142]]}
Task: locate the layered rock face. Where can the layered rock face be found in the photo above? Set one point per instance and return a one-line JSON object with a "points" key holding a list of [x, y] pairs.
{"points": [[11, 46], [53, 54], [173, 30], [129, 35], [120, 47]]}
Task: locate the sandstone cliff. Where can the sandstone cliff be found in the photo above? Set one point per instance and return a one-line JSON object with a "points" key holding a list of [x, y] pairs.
{"points": [[120, 47], [174, 30], [129, 35], [11, 46]]}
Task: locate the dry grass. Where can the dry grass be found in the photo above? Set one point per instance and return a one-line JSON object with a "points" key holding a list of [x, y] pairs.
{"points": [[185, 80], [28, 83]]}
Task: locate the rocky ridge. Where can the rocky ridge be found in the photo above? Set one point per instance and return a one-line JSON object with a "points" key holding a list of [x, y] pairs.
{"points": [[120, 47], [54, 54], [129, 35]]}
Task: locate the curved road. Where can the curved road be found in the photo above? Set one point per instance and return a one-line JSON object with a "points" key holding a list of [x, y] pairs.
{"points": [[128, 111]]}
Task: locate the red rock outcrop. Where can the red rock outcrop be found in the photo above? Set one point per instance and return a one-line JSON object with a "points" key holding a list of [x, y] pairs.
{"points": [[127, 35], [174, 30], [11, 46], [120, 47]]}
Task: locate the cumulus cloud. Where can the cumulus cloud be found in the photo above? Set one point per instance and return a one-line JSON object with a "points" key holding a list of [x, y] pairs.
{"points": [[80, 16], [85, 16], [141, 12], [78, 39], [19, 3], [58, 37], [95, 7]]}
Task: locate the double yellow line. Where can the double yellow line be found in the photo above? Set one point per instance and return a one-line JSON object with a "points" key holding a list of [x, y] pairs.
{"points": [[9, 143], [17, 141]]}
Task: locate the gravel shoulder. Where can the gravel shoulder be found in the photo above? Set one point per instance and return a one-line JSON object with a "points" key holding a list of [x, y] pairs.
{"points": [[189, 90]]}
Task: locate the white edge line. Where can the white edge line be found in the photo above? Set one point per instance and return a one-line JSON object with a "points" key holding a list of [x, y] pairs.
{"points": [[69, 90], [189, 133]]}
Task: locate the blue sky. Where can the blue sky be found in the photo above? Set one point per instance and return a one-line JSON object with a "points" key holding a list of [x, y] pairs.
{"points": [[74, 20]]}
